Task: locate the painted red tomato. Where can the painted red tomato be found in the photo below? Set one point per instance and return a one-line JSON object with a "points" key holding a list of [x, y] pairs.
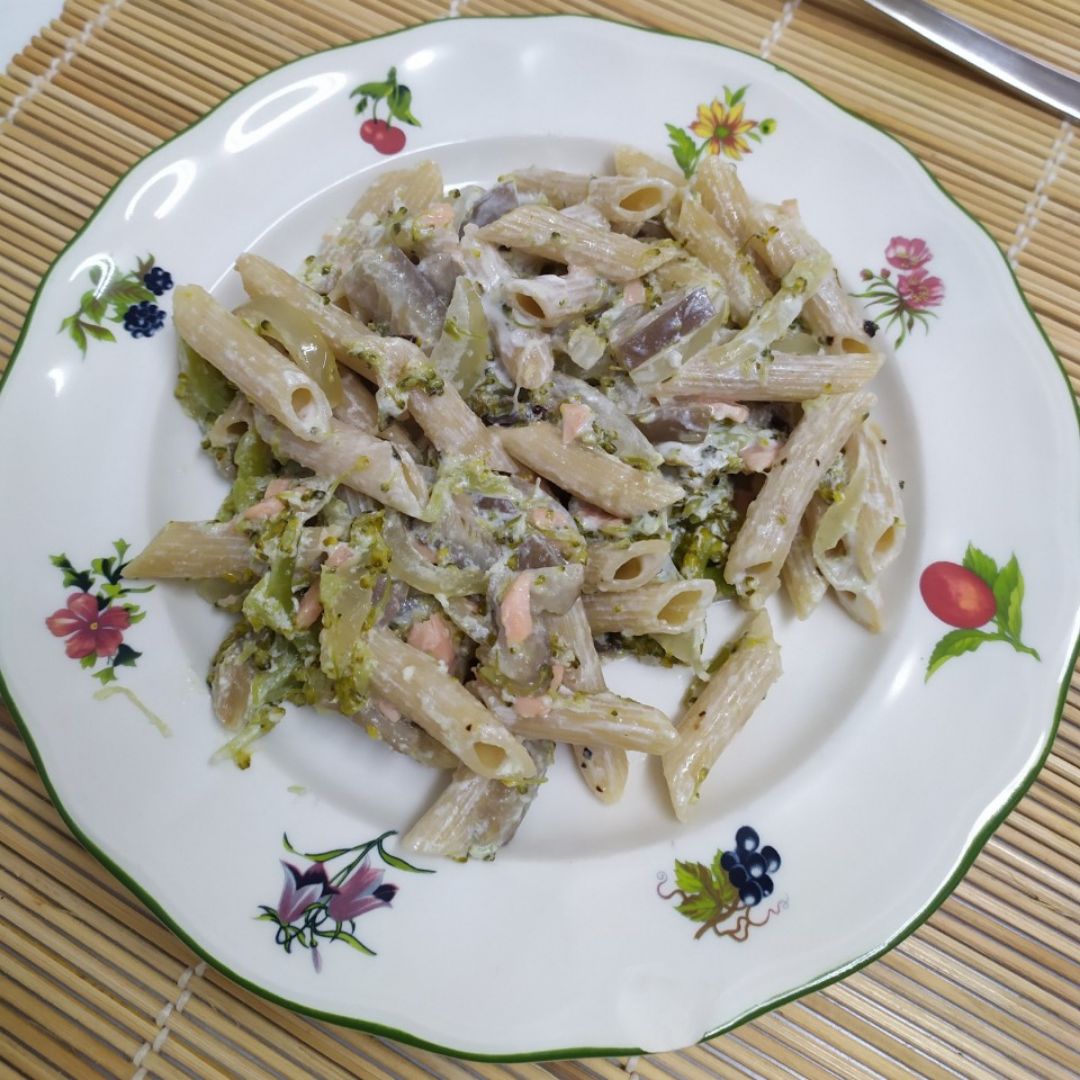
{"points": [[389, 140], [956, 595]]}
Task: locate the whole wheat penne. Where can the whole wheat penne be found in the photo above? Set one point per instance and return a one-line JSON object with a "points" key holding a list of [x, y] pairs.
{"points": [[539, 230], [359, 408], [252, 364], [704, 237], [630, 200], [766, 325], [666, 607], [448, 422], [603, 769], [719, 712], [417, 686], [716, 183], [473, 817], [592, 475], [614, 567], [213, 549], [880, 527], [558, 187], [629, 161], [600, 719], [801, 577], [356, 459], [551, 299], [830, 313], [778, 376], [772, 520], [413, 188]]}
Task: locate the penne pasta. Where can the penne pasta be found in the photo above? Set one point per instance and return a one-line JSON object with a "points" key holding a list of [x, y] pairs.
{"points": [[719, 712], [614, 567], [772, 520], [668, 607], [559, 188], [354, 458], [448, 422], [254, 366], [597, 477], [629, 161], [598, 719], [802, 580], [539, 230], [776, 376], [879, 530], [415, 684], [214, 549], [630, 200], [474, 817]]}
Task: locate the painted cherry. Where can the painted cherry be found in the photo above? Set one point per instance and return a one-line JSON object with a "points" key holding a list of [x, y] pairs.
{"points": [[368, 127], [956, 595], [388, 140]]}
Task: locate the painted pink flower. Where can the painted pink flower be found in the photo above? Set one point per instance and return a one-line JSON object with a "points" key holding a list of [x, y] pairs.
{"points": [[89, 630], [919, 291], [301, 890], [907, 254], [361, 892]]}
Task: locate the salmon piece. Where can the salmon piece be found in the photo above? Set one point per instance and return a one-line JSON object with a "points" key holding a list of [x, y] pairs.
{"points": [[576, 417], [729, 410], [433, 637], [557, 673], [263, 509], [310, 607], [340, 555], [550, 518], [514, 610], [760, 458], [634, 292], [531, 706]]}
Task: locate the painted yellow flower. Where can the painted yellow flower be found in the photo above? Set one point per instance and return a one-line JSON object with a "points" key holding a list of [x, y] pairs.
{"points": [[724, 128]]}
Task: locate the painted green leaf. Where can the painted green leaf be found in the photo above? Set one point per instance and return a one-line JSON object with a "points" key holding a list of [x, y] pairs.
{"points": [[75, 329], [95, 274], [344, 935], [99, 333], [692, 877], [956, 643], [126, 656], [1009, 595], [361, 105], [398, 863], [733, 99], [377, 90], [319, 856], [106, 675], [699, 907], [398, 102], [683, 149]]}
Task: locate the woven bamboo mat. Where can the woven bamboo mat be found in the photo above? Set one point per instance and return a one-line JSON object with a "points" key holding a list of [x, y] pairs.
{"points": [[91, 984]]}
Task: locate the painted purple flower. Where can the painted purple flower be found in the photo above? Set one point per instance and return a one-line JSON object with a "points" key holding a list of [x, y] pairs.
{"points": [[920, 291], [361, 892], [301, 890], [907, 254]]}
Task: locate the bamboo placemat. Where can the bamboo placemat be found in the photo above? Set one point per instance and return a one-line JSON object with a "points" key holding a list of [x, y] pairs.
{"points": [[91, 984]]}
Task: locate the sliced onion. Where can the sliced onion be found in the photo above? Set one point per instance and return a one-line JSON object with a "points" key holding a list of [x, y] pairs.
{"points": [[300, 338]]}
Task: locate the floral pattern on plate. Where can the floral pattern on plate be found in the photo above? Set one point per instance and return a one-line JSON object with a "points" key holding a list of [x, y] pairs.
{"points": [[722, 895], [94, 620], [969, 596], [382, 134], [126, 299], [722, 128], [316, 907], [906, 299]]}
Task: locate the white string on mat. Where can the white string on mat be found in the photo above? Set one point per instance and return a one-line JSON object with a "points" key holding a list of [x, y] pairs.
{"points": [[1040, 195], [455, 8], [71, 47], [787, 13], [163, 1019]]}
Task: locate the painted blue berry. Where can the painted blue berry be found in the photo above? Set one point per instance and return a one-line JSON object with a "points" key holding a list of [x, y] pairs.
{"points": [[143, 319], [746, 839], [754, 863], [771, 857], [750, 893], [158, 281], [729, 860], [765, 884], [738, 876]]}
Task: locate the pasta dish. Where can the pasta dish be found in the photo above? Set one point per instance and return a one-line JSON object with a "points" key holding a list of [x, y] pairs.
{"points": [[487, 438]]}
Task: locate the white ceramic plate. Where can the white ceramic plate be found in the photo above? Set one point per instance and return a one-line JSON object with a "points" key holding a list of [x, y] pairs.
{"points": [[876, 785]]}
